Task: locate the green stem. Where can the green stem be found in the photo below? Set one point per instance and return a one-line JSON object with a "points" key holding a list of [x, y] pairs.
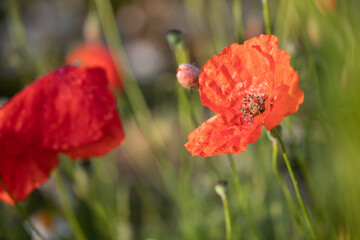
{"points": [[294, 181], [266, 15], [241, 198], [237, 20], [237, 184], [65, 203], [21, 210], [227, 217], [285, 190], [181, 54], [20, 38], [132, 91], [185, 107]]}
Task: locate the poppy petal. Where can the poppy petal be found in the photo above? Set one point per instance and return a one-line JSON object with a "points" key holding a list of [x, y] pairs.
{"points": [[113, 137], [77, 109], [23, 167], [228, 77], [267, 43], [288, 94], [70, 110], [217, 136], [286, 103]]}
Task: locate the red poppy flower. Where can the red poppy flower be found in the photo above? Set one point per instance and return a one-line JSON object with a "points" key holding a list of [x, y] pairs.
{"points": [[248, 85], [70, 110], [96, 55]]}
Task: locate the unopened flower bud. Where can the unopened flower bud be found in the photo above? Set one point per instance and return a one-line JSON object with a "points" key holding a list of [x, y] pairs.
{"points": [[174, 37], [220, 188], [91, 29], [188, 76]]}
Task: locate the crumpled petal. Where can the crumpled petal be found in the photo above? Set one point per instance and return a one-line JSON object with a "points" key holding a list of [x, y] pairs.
{"points": [[218, 135], [226, 78], [97, 55], [267, 43], [287, 93], [70, 110]]}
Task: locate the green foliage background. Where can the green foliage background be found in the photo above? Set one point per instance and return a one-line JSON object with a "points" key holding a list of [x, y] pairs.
{"points": [[151, 188]]}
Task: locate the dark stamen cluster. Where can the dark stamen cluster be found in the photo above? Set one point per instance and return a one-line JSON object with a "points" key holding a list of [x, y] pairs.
{"points": [[254, 104]]}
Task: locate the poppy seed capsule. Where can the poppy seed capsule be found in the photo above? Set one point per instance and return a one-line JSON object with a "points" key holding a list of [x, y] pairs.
{"points": [[220, 188], [174, 37], [188, 76]]}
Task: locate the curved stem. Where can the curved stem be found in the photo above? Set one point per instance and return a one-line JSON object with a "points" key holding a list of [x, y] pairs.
{"points": [[266, 15], [69, 214], [294, 181], [21, 210]]}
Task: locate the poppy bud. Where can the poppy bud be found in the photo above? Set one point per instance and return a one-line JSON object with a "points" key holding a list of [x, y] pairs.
{"points": [[220, 188], [91, 29], [174, 37], [188, 76]]}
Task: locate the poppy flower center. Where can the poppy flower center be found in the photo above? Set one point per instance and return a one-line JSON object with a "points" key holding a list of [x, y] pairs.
{"points": [[253, 105]]}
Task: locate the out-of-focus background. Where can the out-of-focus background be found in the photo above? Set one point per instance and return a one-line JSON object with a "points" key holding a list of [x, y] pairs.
{"points": [[48, 30], [151, 187]]}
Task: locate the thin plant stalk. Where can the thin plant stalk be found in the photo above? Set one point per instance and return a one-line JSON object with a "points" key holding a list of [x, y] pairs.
{"points": [[266, 15], [227, 217], [136, 99], [181, 55], [294, 181], [21, 210], [237, 184], [132, 91], [237, 20], [220, 189], [284, 188], [240, 194], [20, 37], [68, 211]]}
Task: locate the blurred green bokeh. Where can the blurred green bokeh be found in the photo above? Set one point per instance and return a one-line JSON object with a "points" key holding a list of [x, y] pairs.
{"points": [[143, 190]]}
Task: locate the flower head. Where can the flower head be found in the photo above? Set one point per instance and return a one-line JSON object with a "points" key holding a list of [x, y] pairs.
{"points": [[70, 110], [96, 55], [248, 85]]}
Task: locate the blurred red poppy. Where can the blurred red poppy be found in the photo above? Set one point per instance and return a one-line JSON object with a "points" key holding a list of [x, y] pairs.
{"points": [[248, 85], [97, 55], [70, 110]]}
